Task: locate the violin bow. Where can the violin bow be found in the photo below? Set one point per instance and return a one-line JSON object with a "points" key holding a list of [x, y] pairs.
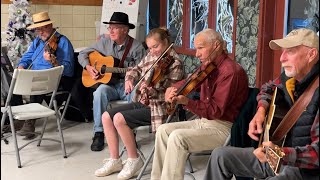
{"points": [[46, 43]]}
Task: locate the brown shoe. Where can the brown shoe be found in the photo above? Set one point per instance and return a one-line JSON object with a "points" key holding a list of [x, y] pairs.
{"points": [[28, 127]]}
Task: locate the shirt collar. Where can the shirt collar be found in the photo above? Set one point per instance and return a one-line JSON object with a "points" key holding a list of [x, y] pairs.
{"points": [[123, 45]]}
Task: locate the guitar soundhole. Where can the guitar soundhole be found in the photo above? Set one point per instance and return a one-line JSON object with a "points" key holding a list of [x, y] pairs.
{"points": [[103, 69]]}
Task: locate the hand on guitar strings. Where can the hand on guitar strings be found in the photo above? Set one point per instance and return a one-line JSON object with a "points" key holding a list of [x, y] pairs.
{"points": [[94, 74], [255, 126], [260, 152]]}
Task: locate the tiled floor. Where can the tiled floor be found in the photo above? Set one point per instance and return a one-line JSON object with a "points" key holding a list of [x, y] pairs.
{"points": [[46, 161]]}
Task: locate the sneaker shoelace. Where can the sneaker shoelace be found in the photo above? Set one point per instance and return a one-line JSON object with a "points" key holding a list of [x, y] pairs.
{"points": [[108, 163], [128, 165]]}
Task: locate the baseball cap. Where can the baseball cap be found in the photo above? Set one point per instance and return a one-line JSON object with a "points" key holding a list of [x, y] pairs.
{"points": [[297, 37]]}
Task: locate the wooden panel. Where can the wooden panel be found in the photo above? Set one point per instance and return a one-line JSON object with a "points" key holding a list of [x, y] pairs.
{"points": [[5, 2], [270, 27], [63, 2]]}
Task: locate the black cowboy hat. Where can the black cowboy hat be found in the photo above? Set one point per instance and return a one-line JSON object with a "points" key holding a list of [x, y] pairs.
{"points": [[120, 18]]}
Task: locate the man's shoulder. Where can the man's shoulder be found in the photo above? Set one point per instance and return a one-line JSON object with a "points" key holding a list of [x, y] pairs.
{"points": [[231, 66], [136, 43]]}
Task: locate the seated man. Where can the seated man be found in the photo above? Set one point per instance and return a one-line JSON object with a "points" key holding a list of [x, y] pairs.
{"points": [[113, 45], [300, 60], [41, 55], [222, 93]]}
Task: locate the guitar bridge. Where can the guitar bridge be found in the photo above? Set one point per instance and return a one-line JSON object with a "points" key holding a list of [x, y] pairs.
{"points": [[274, 157]]}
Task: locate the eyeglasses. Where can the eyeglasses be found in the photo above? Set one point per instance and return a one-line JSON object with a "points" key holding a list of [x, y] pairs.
{"points": [[114, 28], [43, 28]]}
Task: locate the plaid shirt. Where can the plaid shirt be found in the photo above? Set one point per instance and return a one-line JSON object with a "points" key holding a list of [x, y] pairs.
{"points": [[301, 156], [173, 74]]}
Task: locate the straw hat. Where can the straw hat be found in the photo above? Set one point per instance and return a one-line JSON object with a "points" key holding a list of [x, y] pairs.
{"points": [[40, 19], [120, 18]]}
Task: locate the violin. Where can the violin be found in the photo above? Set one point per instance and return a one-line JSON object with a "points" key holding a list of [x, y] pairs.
{"points": [[157, 73], [51, 47], [160, 69], [192, 83]]}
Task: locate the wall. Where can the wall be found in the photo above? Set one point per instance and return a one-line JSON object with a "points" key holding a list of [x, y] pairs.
{"points": [[247, 37], [76, 22]]}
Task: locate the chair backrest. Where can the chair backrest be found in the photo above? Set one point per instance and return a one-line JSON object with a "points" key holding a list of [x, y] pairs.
{"points": [[239, 136], [36, 82]]}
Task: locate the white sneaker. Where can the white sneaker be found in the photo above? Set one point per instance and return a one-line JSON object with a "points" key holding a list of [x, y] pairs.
{"points": [[110, 166], [130, 168]]}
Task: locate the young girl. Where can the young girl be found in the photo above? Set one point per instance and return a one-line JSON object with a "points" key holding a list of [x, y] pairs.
{"points": [[147, 108]]}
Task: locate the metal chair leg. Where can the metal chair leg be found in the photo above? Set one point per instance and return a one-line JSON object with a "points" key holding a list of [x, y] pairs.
{"points": [[63, 148], [189, 164], [4, 116], [65, 108], [146, 164], [13, 131]]}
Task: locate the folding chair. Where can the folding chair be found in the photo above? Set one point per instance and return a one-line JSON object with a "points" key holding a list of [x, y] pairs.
{"points": [[33, 82]]}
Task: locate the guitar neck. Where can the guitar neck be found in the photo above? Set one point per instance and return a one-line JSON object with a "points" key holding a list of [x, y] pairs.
{"points": [[115, 70]]}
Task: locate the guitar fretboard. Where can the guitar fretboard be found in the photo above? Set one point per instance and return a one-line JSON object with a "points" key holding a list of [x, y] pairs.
{"points": [[113, 70]]}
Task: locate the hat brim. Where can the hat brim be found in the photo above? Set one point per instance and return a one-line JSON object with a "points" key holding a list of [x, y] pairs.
{"points": [[283, 43], [32, 26], [131, 26]]}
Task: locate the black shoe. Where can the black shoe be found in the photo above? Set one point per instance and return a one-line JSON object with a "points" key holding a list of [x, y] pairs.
{"points": [[98, 142]]}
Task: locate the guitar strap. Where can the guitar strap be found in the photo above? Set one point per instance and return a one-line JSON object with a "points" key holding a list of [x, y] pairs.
{"points": [[126, 51], [295, 111]]}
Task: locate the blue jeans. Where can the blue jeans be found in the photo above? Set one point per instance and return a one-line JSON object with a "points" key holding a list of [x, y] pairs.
{"points": [[102, 96]]}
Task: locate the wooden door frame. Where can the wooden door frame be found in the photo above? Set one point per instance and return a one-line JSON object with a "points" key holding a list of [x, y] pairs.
{"points": [[271, 26]]}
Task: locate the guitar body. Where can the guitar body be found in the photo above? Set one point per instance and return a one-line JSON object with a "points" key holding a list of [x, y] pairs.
{"points": [[105, 65]]}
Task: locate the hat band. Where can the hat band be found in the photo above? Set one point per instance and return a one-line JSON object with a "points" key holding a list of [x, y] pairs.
{"points": [[42, 21]]}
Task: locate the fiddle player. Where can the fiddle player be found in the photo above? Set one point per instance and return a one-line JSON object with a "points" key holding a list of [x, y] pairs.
{"points": [[222, 93], [114, 44], [300, 61], [47, 50], [121, 120]]}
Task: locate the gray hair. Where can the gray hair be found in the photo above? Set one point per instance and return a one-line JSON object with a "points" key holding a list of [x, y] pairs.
{"points": [[212, 36]]}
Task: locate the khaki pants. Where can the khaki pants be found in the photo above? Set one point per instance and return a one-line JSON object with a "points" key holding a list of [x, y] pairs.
{"points": [[174, 141]]}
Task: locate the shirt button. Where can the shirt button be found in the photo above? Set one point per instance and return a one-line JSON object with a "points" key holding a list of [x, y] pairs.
{"points": [[207, 98]]}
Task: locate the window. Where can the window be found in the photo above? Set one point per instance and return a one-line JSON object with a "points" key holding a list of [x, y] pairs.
{"points": [[185, 18], [307, 16]]}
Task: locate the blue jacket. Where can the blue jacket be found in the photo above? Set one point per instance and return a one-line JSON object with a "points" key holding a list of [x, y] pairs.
{"points": [[64, 54]]}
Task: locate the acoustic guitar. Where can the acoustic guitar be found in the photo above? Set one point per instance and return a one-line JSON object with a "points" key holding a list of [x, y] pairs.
{"points": [[108, 69], [272, 120]]}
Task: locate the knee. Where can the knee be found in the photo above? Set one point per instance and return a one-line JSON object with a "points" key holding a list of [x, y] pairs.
{"points": [[161, 130], [118, 120], [106, 118], [101, 90], [218, 154], [177, 139]]}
